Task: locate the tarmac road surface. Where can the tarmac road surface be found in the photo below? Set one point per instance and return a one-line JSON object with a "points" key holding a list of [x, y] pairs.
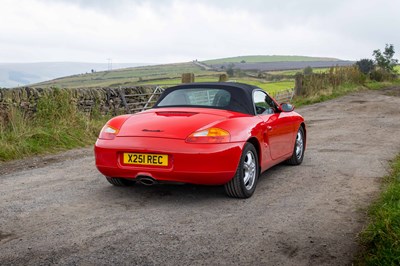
{"points": [[58, 209]]}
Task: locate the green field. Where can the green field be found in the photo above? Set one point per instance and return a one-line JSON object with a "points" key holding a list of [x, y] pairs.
{"points": [[267, 58], [294, 72], [126, 76], [169, 74], [270, 87]]}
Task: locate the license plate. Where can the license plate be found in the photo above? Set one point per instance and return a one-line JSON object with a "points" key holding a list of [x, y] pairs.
{"points": [[146, 159]]}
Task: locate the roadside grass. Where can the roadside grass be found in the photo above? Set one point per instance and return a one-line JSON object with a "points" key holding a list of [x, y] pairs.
{"points": [[327, 94], [336, 82], [374, 85], [56, 126], [342, 90], [381, 238]]}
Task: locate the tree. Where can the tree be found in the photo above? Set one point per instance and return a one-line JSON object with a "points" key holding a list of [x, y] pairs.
{"points": [[230, 70], [385, 60], [365, 65], [308, 70]]}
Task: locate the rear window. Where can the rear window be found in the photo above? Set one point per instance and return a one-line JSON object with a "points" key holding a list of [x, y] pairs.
{"points": [[207, 97]]}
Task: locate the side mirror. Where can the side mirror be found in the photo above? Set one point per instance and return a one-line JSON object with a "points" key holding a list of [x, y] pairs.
{"points": [[286, 107]]}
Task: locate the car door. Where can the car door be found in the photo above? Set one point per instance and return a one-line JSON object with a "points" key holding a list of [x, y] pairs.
{"points": [[278, 126]]}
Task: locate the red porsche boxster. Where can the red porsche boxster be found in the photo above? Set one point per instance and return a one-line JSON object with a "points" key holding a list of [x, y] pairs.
{"points": [[202, 133]]}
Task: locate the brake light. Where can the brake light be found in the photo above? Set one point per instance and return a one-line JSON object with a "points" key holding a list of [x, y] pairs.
{"points": [[111, 129], [108, 132], [210, 135]]}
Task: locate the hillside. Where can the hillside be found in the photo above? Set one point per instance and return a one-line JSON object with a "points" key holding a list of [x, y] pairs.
{"points": [[127, 76], [20, 74], [267, 58], [204, 71], [277, 66]]}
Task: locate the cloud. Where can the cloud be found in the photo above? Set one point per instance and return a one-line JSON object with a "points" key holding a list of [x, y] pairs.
{"points": [[177, 30]]}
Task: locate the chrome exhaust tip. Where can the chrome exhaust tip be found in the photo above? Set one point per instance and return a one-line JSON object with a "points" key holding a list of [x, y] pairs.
{"points": [[147, 181]]}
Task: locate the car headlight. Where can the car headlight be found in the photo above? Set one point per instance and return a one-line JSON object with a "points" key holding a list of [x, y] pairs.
{"points": [[210, 135]]}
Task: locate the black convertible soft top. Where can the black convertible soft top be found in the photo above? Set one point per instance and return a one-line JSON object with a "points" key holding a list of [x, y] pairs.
{"points": [[241, 94]]}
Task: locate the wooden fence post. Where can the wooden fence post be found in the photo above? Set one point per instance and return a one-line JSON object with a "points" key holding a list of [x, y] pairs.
{"points": [[187, 77], [298, 85], [223, 77]]}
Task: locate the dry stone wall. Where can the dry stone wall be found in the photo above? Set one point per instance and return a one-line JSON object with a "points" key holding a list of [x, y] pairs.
{"points": [[105, 100]]}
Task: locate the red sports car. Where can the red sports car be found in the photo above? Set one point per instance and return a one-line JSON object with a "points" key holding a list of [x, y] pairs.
{"points": [[202, 133]]}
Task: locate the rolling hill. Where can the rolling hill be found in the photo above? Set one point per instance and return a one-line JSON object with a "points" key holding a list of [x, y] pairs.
{"points": [[20, 74], [171, 73], [159, 74], [267, 59]]}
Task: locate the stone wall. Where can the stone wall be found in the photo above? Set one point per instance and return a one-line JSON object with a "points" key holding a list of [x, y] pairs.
{"points": [[105, 100]]}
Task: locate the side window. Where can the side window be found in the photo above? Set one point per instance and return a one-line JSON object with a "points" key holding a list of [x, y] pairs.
{"points": [[263, 103]]}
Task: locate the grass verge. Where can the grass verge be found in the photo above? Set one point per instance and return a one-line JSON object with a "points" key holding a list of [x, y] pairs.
{"points": [[381, 238], [327, 95], [374, 85], [342, 90], [56, 126]]}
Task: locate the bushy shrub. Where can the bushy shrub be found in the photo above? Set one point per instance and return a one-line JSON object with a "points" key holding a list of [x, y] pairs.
{"points": [[326, 83], [308, 70], [376, 75], [380, 75], [365, 66]]}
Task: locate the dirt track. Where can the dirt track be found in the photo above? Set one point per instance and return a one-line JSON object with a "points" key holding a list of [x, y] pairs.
{"points": [[59, 209]]}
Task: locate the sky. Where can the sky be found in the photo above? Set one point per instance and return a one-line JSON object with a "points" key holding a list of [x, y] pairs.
{"points": [[167, 31]]}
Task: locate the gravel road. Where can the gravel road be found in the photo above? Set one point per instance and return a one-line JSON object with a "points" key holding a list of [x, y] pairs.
{"points": [[59, 210]]}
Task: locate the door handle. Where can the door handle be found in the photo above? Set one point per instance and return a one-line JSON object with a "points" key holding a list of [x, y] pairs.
{"points": [[269, 128]]}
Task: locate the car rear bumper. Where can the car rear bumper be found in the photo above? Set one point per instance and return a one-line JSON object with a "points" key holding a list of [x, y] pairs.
{"points": [[208, 164]]}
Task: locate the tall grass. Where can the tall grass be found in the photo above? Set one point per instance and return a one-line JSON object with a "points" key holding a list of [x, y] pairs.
{"points": [[336, 82], [328, 82], [381, 238], [56, 125]]}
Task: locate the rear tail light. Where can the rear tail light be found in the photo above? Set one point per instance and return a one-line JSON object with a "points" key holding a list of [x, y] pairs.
{"points": [[108, 132], [210, 135]]}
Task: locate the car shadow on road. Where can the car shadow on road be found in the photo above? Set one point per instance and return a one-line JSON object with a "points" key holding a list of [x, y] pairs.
{"points": [[172, 193], [161, 194]]}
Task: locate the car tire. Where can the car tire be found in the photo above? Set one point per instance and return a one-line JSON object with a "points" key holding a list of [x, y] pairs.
{"points": [[120, 182], [244, 183], [298, 150]]}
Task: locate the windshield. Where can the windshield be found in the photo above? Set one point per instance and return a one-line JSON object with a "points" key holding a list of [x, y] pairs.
{"points": [[207, 97]]}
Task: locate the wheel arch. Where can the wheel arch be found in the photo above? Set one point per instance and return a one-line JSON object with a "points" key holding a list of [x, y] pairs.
{"points": [[303, 125], [256, 144]]}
